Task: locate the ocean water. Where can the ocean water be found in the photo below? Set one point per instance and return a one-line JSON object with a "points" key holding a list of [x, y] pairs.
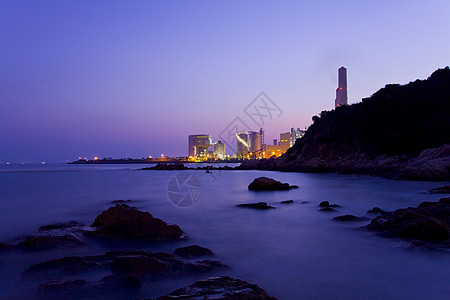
{"points": [[292, 252]]}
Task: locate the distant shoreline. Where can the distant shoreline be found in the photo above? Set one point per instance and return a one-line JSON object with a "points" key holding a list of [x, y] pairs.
{"points": [[147, 161]]}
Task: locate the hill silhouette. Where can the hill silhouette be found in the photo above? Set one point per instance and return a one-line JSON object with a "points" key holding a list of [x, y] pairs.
{"points": [[401, 131]]}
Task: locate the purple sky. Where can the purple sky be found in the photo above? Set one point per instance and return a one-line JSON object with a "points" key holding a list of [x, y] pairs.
{"points": [[135, 78]]}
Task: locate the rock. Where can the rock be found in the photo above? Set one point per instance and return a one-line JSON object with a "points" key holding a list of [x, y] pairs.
{"points": [[376, 210], [168, 167], [268, 184], [294, 186], [192, 251], [128, 222], [4, 246], [429, 221], [59, 226], [349, 218], [139, 265], [440, 190], [259, 205], [224, 287], [304, 202], [328, 209], [47, 242], [287, 202], [121, 201], [69, 288], [324, 204], [127, 281]]}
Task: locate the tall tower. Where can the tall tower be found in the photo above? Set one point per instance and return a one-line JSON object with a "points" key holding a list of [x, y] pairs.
{"points": [[341, 91]]}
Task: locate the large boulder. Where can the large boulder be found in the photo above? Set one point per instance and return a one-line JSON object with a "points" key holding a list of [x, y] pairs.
{"points": [[428, 221], [440, 190], [269, 184], [125, 221], [220, 288]]}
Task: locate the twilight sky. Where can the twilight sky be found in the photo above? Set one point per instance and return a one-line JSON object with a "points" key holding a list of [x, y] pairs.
{"points": [[135, 78]]}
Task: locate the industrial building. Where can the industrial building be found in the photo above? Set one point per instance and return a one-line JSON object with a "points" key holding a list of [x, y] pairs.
{"points": [[199, 145], [341, 91]]}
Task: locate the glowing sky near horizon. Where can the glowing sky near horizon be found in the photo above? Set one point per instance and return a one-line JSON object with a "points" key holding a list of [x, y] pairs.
{"points": [[135, 78]]}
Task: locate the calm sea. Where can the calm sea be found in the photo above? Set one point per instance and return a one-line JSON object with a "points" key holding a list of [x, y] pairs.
{"points": [[292, 252]]}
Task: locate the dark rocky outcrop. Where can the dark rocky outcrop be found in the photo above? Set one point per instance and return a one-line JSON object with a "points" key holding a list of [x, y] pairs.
{"points": [[220, 288], [440, 190], [59, 226], [287, 202], [143, 264], [192, 251], [121, 201], [350, 218], [128, 222], [269, 184], [259, 205], [428, 221], [376, 210], [169, 167], [47, 242], [324, 204], [401, 131]]}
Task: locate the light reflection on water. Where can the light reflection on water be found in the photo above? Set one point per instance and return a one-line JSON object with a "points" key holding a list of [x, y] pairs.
{"points": [[292, 251]]}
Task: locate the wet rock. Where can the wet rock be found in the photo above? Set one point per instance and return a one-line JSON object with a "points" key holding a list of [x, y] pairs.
{"points": [[376, 210], [259, 205], [127, 281], [294, 186], [192, 251], [223, 287], [287, 202], [47, 242], [145, 264], [59, 226], [4, 246], [139, 265], [68, 289], [328, 209], [350, 218], [304, 202], [428, 221], [324, 204], [440, 190], [128, 222], [268, 184]]}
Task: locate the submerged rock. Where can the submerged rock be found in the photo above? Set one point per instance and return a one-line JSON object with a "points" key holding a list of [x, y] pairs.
{"points": [[59, 226], [259, 205], [351, 218], [428, 221], [328, 209], [143, 264], [192, 251], [121, 201], [129, 222], [47, 242], [440, 190], [224, 287], [287, 202], [268, 184]]}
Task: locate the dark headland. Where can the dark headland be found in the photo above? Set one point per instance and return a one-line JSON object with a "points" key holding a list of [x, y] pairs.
{"points": [[401, 132]]}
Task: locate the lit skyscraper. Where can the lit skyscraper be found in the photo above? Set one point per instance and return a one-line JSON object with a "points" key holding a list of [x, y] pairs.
{"points": [[341, 91]]}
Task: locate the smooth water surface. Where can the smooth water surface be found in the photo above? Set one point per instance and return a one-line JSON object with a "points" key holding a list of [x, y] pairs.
{"points": [[292, 252]]}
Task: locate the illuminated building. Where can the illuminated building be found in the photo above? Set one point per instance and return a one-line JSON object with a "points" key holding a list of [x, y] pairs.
{"points": [[285, 140], [199, 145], [295, 135], [341, 91], [219, 150], [248, 144]]}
